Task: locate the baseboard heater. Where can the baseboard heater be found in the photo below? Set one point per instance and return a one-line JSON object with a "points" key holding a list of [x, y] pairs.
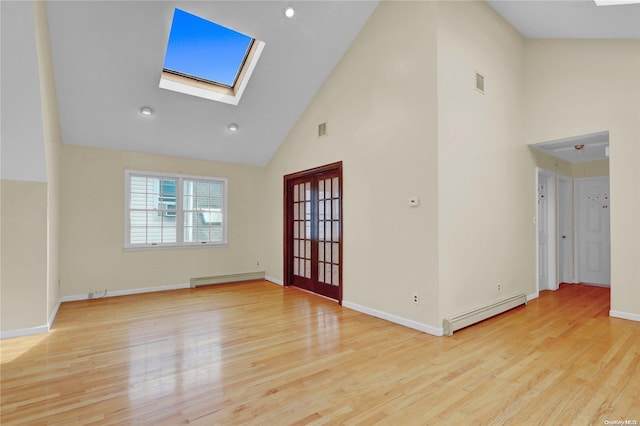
{"points": [[450, 325], [226, 279]]}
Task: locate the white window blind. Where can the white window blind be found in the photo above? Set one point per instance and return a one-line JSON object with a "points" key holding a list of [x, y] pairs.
{"points": [[164, 210]]}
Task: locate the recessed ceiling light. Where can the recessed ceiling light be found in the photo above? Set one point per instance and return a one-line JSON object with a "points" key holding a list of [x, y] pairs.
{"points": [[289, 11], [147, 111], [233, 127]]}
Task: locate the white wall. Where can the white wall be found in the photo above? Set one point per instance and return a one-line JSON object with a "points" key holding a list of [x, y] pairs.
{"points": [[577, 87]]}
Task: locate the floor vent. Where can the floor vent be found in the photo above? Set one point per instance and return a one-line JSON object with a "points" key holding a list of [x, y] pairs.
{"points": [[225, 279], [461, 321]]}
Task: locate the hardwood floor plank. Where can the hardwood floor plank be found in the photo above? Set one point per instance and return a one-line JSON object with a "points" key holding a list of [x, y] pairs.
{"points": [[257, 353]]}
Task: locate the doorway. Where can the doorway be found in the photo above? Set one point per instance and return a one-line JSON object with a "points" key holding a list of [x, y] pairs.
{"points": [[313, 230]]}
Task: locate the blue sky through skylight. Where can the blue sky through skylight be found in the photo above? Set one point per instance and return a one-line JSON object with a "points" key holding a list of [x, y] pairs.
{"points": [[204, 49]]}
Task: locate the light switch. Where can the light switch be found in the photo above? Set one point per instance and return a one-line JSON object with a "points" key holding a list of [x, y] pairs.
{"points": [[414, 201]]}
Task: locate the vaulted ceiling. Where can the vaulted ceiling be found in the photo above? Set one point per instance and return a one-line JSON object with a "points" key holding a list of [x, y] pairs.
{"points": [[571, 18], [108, 58]]}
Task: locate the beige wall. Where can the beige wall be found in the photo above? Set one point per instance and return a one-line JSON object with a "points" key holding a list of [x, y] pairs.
{"points": [[486, 173], [380, 105], [23, 246], [53, 146], [30, 220], [565, 168], [590, 169], [92, 229], [577, 87], [551, 163]]}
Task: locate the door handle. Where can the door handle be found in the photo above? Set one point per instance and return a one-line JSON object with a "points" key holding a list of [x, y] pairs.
{"points": [[564, 237]]}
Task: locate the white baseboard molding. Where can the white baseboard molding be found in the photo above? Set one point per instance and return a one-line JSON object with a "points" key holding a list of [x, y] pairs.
{"points": [[624, 315], [533, 296], [273, 280], [10, 334], [436, 331], [227, 279], [597, 285], [113, 293], [481, 313], [52, 317]]}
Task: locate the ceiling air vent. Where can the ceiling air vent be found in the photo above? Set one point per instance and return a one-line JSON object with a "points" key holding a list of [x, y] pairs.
{"points": [[480, 82], [322, 129]]}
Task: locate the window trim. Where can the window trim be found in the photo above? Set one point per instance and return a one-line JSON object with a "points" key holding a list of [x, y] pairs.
{"points": [[180, 243]]}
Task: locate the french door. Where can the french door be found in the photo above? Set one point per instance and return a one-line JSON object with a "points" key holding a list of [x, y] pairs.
{"points": [[313, 230]]}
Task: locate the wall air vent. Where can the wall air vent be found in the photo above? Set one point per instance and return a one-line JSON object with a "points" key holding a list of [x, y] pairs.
{"points": [[322, 129], [480, 82]]}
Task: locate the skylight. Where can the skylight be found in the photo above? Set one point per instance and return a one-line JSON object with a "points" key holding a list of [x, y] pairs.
{"points": [[207, 59]]}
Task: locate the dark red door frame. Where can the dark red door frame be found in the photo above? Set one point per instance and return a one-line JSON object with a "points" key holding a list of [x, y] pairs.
{"points": [[288, 223]]}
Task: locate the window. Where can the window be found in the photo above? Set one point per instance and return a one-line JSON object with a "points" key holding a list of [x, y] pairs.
{"points": [[174, 210], [204, 50], [208, 60], [168, 197]]}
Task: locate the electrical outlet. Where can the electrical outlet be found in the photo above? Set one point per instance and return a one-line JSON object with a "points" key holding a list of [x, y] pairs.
{"points": [[499, 287], [257, 263], [414, 298]]}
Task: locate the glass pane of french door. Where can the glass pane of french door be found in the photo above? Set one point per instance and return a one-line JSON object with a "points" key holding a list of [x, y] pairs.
{"points": [[329, 230], [302, 229]]}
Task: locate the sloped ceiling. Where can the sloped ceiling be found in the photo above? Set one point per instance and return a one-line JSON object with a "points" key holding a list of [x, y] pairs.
{"points": [[108, 58], [570, 19], [22, 155]]}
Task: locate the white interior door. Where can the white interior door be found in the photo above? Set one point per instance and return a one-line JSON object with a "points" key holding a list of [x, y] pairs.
{"points": [[565, 229], [593, 239], [545, 220]]}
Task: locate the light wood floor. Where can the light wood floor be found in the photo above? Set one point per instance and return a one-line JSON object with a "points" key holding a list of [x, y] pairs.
{"points": [[255, 353]]}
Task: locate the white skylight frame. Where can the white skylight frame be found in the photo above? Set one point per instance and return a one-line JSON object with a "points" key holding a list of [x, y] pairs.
{"points": [[202, 88], [213, 91]]}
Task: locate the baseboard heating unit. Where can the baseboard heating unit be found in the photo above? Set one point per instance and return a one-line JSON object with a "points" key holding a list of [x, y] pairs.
{"points": [[450, 325], [226, 279]]}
